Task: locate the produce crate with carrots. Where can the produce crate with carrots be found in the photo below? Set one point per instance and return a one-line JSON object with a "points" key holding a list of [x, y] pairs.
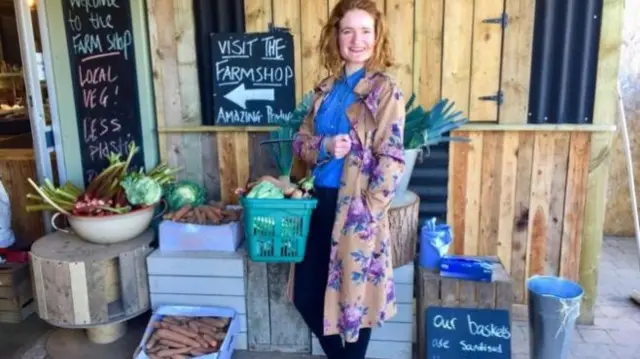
{"points": [[276, 218], [213, 226], [189, 332]]}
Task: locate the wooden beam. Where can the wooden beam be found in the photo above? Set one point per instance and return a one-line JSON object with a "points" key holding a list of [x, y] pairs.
{"points": [[217, 129], [605, 110], [538, 128]]}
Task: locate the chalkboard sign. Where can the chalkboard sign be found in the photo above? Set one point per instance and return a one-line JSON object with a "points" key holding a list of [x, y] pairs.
{"points": [[458, 333], [103, 70], [254, 80]]}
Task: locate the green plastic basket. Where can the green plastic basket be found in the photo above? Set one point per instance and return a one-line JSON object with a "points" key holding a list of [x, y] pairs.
{"points": [[276, 229]]}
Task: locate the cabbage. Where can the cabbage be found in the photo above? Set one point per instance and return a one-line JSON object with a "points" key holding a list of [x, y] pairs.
{"points": [[184, 192], [141, 190]]}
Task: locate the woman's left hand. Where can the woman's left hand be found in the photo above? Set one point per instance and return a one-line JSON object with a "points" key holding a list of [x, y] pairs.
{"points": [[339, 145]]}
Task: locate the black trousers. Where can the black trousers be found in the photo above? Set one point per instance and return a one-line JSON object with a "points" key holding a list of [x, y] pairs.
{"points": [[311, 279]]}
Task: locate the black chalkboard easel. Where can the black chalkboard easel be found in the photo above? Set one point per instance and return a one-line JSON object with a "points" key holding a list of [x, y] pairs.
{"points": [[467, 333], [254, 79], [103, 69]]}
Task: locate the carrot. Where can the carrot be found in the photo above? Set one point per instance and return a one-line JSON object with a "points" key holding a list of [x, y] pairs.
{"points": [[208, 326], [205, 329], [156, 349], [182, 330], [167, 353], [213, 203], [211, 214], [152, 341], [182, 211], [203, 343], [210, 340], [177, 337], [171, 343], [219, 336], [202, 351], [189, 217], [215, 322], [193, 325], [200, 217], [217, 211], [170, 320], [231, 215]]}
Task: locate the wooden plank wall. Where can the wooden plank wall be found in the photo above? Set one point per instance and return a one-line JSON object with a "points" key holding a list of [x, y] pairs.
{"points": [[443, 49], [434, 58], [520, 195]]}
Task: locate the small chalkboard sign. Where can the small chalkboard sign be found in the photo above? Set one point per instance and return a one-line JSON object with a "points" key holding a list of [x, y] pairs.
{"points": [[103, 71], [254, 79], [458, 333]]}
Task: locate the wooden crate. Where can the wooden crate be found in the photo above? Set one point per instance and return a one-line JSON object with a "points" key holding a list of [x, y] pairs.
{"points": [[434, 290], [16, 294], [200, 279], [394, 340]]}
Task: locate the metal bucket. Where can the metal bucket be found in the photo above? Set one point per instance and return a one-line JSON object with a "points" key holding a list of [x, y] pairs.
{"points": [[554, 306]]}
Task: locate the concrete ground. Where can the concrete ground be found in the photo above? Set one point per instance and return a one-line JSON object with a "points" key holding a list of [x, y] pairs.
{"points": [[616, 334]]}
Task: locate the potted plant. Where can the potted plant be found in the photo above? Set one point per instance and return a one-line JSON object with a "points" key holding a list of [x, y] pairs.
{"points": [[117, 205], [279, 142], [424, 129]]}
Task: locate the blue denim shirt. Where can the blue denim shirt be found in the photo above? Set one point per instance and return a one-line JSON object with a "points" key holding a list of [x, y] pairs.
{"points": [[332, 120]]}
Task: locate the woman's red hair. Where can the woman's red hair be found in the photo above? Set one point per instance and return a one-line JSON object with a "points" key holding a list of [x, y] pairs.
{"points": [[330, 57]]}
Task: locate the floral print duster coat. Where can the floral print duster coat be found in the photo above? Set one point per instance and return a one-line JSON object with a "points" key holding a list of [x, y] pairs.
{"points": [[360, 291]]}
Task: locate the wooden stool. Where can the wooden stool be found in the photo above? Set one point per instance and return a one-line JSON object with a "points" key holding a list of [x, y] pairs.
{"points": [[79, 284], [403, 225], [434, 290]]}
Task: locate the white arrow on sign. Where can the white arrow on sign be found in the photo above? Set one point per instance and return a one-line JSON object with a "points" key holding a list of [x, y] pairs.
{"points": [[241, 95]]}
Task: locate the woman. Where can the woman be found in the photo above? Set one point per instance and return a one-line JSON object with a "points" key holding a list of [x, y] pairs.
{"points": [[353, 141]]}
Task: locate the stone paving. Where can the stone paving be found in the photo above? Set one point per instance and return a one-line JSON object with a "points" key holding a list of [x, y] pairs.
{"points": [[616, 333]]}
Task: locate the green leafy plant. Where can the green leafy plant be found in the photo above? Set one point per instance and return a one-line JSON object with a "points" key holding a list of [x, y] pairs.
{"points": [[280, 141], [425, 128]]}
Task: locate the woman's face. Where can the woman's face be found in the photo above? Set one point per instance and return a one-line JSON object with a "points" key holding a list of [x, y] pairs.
{"points": [[356, 38]]}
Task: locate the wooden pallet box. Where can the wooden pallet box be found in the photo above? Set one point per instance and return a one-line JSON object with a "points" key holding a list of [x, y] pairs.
{"points": [[16, 293], [393, 340], [434, 290], [200, 279], [79, 284]]}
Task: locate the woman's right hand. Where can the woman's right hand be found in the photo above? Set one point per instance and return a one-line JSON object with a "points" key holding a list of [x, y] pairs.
{"points": [[338, 145]]}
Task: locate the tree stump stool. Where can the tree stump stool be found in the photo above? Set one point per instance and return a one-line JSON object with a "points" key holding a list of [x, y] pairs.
{"points": [[434, 290], [95, 287], [403, 225]]}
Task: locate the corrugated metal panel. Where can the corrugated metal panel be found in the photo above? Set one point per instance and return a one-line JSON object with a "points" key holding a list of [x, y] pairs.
{"points": [[429, 181], [564, 61], [213, 16]]}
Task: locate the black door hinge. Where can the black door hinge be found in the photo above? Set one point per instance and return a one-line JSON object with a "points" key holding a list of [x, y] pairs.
{"points": [[499, 98], [273, 28], [503, 20]]}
